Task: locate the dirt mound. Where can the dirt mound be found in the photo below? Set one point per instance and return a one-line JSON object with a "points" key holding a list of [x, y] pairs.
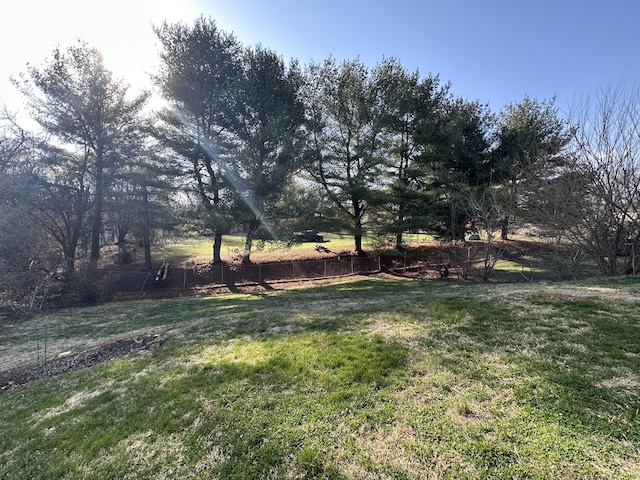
{"points": [[75, 361]]}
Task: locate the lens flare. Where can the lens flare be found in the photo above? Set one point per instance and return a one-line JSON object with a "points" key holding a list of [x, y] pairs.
{"points": [[229, 173]]}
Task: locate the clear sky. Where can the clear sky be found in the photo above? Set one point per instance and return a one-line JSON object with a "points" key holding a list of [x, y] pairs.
{"points": [[494, 51]]}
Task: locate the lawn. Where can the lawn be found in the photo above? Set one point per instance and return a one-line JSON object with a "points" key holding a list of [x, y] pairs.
{"points": [[371, 378], [200, 248], [233, 245]]}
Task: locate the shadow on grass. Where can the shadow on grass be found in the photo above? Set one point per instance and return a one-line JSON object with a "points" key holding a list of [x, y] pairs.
{"points": [[578, 363], [276, 405], [294, 384], [302, 387], [541, 267]]}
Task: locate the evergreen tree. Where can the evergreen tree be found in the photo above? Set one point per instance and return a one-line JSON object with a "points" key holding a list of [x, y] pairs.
{"points": [[88, 112], [531, 139], [344, 143], [412, 119], [200, 67], [235, 119]]}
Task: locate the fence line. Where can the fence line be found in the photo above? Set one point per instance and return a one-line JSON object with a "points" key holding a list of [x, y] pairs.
{"points": [[31, 345], [181, 278], [35, 345]]}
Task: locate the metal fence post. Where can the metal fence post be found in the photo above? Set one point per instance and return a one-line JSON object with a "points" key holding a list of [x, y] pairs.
{"points": [[33, 297], [145, 282], [44, 365]]}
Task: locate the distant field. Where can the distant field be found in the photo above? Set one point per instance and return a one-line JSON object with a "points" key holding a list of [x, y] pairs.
{"points": [[371, 378], [233, 245], [533, 266]]}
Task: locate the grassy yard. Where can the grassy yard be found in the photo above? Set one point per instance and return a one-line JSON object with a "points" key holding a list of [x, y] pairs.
{"points": [[373, 378], [232, 245]]}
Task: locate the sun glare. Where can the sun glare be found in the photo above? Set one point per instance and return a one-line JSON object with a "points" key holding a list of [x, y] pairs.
{"points": [[120, 29]]}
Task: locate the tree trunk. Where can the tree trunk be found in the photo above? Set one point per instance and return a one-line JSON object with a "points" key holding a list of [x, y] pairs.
{"points": [[217, 246], [96, 227], [399, 245], [69, 266], [96, 222], [248, 244], [357, 236], [146, 233], [358, 244], [400, 221], [504, 235], [69, 251], [358, 213]]}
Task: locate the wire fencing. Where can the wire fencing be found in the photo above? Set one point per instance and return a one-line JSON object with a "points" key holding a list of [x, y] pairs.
{"points": [[43, 349], [185, 278], [32, 348], [448, 261], [37, 346]]}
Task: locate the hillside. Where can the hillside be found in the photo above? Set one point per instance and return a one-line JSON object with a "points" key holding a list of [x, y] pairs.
{"points": [[362, 378]]}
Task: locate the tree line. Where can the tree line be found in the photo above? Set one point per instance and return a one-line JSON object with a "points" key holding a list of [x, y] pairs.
{"points": [[246, 142]]}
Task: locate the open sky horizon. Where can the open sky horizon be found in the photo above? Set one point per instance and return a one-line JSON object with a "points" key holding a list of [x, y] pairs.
{"points": [[496, 51]]}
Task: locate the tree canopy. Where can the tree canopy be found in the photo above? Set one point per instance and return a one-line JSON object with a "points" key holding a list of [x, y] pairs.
{"points": [[93, 128], [235, 121], [246, 142]]}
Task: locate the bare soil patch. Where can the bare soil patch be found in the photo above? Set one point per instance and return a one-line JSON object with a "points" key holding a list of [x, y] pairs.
{"points": [[433, 251], [75, 361], [561, 297]]}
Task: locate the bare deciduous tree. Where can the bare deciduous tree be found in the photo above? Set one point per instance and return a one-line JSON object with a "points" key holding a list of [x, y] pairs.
{"points": [[487, 209], [594, 201], [607, 151], [25, 256]]}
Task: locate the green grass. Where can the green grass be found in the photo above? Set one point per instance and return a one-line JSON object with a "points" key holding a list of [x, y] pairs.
{"points": [[233, 245], [370, 378]]}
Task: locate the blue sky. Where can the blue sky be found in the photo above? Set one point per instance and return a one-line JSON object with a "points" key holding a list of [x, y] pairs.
{"points": [[494, 51]]}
